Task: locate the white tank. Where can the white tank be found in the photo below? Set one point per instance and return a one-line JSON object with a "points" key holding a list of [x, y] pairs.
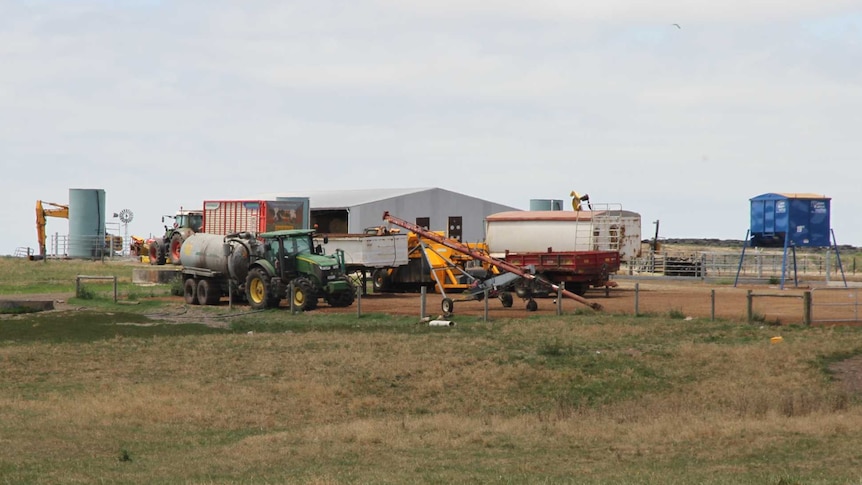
{"points": [[563, 231], [207, 251]]}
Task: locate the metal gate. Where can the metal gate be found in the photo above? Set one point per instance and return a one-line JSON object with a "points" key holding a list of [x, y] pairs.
{"points": [[835, 305]]}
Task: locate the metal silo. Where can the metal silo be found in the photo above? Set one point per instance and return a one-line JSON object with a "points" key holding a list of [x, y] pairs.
{"points": [[86, 223]]}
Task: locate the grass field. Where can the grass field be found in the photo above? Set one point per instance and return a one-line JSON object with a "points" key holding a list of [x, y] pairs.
{"points": [[145, 393]]}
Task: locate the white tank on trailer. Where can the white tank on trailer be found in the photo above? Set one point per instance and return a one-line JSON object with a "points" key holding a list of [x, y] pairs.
{"points": [[564, 231]]}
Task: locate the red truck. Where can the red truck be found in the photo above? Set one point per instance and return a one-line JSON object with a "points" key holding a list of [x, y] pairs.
{"points": [[255, 216]]}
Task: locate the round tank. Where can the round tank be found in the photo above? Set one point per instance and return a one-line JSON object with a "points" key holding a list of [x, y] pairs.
{"points": [[546, 205], [207, 251], [86, 223]]}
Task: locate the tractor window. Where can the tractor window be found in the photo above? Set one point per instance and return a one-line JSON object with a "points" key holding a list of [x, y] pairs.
{"points": [[303, 245], [196, 221]]}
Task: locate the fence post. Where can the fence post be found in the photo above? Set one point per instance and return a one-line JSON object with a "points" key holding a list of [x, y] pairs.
{"points": [[77, 286], [423, 291], [358, 302], [115, 285], [485, 300], [559, 299], [291, 291], [749, 305], [806, 308], [712, 305], [637, 297]]}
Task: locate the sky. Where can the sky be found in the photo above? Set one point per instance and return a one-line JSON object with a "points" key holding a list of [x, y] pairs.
{"points": [[681, 111]]}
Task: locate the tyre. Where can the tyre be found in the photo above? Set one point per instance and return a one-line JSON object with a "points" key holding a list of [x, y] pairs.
{"points": [[208, 294], [157, 253], [257, 289], [381, 280], [577, 287], [448, 306], [174, 249], [304, 296], [532, 306], [344, 298], [506, 299], [190, 291]]}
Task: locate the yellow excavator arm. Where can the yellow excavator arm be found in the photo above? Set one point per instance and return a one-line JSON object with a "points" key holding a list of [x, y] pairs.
{"points": [[43, 211]]}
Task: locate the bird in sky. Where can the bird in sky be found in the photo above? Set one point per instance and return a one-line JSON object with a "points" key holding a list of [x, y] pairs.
{"points": [[677, 26]]}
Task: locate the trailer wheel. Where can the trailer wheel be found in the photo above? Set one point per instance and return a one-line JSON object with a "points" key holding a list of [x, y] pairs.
{"points": [[257, 288], [190, 291], [175, 245], [506, 299], [303, 294], [381, 280], [208, 294], [448, 306], [577, 287], [532, 305]]}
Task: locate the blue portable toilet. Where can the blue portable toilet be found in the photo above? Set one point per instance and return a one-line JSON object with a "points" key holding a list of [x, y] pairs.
{"points": [[790, 220]]}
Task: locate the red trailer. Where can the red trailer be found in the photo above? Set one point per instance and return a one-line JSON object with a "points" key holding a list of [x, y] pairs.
{"points": [[255, 216], [576, 270]]}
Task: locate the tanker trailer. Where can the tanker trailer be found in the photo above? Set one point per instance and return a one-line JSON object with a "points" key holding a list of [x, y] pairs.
{"points": [[262, 269], [215, 265]]}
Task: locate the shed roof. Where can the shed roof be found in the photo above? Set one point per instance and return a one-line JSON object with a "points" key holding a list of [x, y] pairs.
{"points": [[339, 199]]}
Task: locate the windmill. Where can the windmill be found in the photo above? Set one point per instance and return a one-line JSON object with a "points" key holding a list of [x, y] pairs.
{"points": [[125, 217]]}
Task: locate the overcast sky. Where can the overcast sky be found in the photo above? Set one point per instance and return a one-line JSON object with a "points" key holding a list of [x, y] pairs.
{"points": [[166, 103]]}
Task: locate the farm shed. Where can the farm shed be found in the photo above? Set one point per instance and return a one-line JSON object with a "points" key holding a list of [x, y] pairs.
{"points": [[351, 211]]}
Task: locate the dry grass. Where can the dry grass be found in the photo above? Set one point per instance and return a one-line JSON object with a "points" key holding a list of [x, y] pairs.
{"points": [[592, 400]]}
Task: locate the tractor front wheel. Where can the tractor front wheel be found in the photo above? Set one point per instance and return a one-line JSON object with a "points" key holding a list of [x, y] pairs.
{"points": [[304, 297]]}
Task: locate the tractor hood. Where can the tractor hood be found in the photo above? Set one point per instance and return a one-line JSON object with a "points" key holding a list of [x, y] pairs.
{"points": [[325, 262]]}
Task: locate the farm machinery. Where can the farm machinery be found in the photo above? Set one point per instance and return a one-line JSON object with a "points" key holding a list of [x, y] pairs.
{"points": [[496, 277]]}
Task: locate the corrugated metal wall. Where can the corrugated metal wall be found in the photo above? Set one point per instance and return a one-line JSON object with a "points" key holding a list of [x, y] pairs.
{"points": [[436, 204]]}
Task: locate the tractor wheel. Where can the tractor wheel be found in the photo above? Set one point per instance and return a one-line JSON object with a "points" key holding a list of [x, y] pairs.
{"points": [[257, 289], [190, 291], [506, 299], [344, 298], [304, 297], [157, 253], [448, 306], [176, 245], [208, 294], [532, 305]]}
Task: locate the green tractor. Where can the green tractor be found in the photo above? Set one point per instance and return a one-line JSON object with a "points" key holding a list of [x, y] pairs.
{"points": [[290, 258], [262, 268]]}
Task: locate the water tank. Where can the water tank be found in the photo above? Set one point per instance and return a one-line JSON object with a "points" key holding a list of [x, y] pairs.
{"points": [[546, 205], [86, 223], [785, 219]]}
